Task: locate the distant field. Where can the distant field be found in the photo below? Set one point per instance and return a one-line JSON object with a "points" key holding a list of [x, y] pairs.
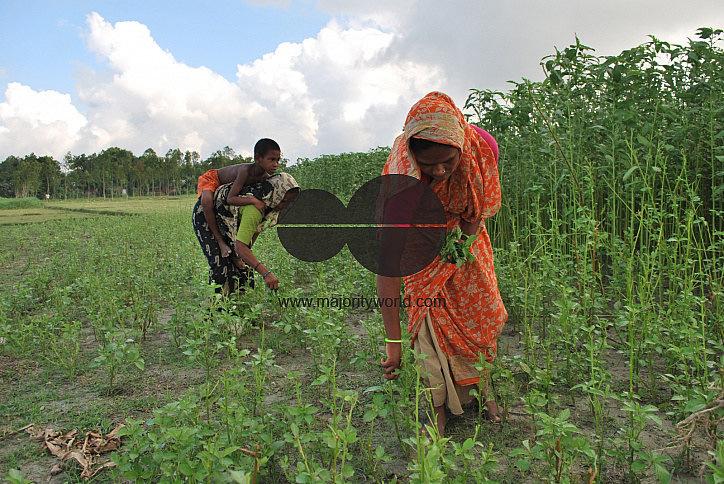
{"points": [[32, 210]]}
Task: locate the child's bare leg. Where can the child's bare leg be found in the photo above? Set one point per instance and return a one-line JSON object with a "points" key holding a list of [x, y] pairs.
{"points": [[207, 203]]}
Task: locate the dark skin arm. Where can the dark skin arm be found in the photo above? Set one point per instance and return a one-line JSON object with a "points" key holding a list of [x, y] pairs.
{"points": [[390, 287], [247, 174], [246, 255], [470, 228], [271, 281]]}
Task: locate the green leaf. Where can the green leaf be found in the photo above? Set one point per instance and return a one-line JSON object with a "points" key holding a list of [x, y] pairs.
{"points": [[320, 380], [185, 469], [347, 471], [629, 172], [694, 405], [523, 464], [239, 477], [662, 474], [644, 141]]}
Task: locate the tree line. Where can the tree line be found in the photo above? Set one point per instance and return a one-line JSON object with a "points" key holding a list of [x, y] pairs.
{"points": [[111, 173]]}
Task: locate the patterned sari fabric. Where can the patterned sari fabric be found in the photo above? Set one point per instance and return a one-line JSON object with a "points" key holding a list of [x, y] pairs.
{"points": [[222, 270], [474, 315]]}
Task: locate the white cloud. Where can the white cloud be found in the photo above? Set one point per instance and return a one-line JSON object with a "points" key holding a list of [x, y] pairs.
{"points": [[313, 97], [154, 101], [346, 89], [320, 91], [33, 121]]}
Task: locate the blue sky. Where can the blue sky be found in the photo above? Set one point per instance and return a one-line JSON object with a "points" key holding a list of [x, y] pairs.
{"points": [[319, 76], [42, 40]]}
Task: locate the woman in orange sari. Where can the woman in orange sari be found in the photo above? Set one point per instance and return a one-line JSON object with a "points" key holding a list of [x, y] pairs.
{"points": [[442, 150]]}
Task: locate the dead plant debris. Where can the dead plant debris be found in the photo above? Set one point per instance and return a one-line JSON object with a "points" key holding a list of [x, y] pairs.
{"points": [[87, 451]]}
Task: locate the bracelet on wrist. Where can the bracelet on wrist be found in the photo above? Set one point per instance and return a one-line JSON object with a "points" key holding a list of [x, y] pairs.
{"points": [[257, 265], [388, 340], [267, 273]]}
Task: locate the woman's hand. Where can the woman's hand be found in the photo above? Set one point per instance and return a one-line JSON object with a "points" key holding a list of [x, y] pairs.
{"points": [[271, 281], [238, 262], [392, 362]]}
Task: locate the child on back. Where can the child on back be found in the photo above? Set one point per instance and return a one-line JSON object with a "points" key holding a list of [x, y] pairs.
{"points": [[266, 160]]}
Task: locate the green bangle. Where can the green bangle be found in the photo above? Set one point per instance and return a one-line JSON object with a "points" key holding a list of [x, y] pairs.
{"points": [[388, 340]]}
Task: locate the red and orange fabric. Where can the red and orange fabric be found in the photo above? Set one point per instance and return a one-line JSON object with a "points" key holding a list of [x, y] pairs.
{"points": [[208, 181], [474, 314]]}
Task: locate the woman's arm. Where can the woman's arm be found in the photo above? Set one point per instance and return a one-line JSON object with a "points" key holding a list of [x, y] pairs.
{"points": [[389, 287], [470, 228], [271, 281], [245, 236]]}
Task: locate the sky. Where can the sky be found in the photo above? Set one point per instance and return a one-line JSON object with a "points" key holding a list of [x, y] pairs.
{"points": [[319, 77]]}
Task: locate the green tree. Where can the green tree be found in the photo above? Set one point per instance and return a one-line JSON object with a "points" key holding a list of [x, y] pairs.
{"points": [[7, 173], [191, 169], [114, 167], [26, 179], [172, 170], [50, 175]]}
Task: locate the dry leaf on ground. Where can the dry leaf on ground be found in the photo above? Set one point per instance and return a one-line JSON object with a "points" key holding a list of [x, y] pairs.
{"points": [[86, 451]]}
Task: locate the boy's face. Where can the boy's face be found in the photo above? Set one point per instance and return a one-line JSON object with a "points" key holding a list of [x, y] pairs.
{"points": [[270, 161]]}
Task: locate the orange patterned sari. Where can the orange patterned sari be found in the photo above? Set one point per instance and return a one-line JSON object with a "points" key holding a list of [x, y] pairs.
{"points": [[474, 314]]}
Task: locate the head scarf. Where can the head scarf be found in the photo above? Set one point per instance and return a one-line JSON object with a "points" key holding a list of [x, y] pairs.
{"points": [[436, 118], [271, 191], [281, 183]]}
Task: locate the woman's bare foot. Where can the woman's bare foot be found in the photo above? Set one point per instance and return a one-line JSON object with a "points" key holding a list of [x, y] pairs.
{"points": [[492, 411]]}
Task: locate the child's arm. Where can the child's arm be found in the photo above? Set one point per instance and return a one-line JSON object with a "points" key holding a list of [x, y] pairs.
{"points": [[207, 204], [233, 197]]}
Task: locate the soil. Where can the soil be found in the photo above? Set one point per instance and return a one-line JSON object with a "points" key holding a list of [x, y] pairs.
{"points": [[164, 380]]}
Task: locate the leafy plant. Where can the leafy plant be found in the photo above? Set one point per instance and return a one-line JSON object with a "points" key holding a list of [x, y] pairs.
{"points": [[456, 248], [116, 352]]}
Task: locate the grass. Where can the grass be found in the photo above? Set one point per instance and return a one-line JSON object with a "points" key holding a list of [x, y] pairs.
{"points": [[91, 269], [20, 203], [31, 210], [609, 258]]}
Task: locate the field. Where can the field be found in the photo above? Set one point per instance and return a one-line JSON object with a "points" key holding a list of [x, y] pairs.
{"points": [[101, 326], [609, 253]]}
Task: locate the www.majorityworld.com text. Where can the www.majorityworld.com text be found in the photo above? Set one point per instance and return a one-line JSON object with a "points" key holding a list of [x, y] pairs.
{"points": [[360, 302]]}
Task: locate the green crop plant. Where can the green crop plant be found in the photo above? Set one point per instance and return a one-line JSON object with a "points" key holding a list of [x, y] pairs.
{"points": [[63, 348], [609, 256], [552, 457], [17, 477], [457, 247], [116, 352]]}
